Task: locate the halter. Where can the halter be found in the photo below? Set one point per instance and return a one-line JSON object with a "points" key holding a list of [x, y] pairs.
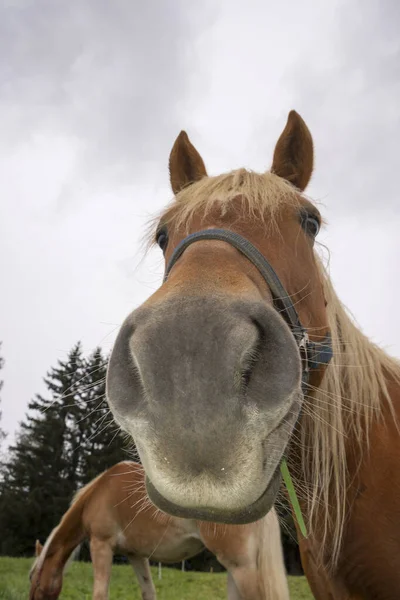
{"points": [[313, 354]]}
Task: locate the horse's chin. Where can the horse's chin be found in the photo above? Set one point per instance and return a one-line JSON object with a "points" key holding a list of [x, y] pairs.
{"points": [[253, 512]]}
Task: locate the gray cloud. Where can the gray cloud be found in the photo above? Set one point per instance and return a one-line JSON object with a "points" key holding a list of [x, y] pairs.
{"points": [[112, 75], [352, 102]]}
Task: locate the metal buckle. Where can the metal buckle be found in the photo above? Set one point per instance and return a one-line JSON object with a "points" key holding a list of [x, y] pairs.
{"points": [[303, 347]]}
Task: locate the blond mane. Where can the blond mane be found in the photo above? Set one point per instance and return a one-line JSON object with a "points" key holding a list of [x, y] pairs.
{"points": [[354, 388], [262, 194], [78, 499], [78, 496], [39, 560], [352, 395]]}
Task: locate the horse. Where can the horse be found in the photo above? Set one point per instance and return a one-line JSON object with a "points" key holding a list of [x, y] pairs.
{"points": [[245, 357], [115, 514]]}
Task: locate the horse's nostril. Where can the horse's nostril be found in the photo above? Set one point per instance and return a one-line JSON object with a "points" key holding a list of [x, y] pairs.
{"points": [[249, 362], [245, 376]]}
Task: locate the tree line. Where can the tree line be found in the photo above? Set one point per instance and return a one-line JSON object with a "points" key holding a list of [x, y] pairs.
{"points": [[67, 438]]}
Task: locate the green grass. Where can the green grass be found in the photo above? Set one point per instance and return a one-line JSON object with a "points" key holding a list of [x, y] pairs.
{"points": [[174, 585]]}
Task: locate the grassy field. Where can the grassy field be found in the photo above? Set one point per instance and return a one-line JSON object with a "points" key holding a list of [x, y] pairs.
{"points": [[174, 584]]}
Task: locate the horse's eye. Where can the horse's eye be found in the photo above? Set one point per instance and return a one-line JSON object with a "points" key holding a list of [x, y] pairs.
{"points": [[310, 224], [162, 238]]}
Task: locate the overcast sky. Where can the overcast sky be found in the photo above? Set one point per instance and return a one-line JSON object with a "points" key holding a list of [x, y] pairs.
{"points": [[92, 97]]}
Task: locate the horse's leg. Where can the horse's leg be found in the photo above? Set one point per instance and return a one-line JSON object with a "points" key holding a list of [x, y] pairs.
{"points": [[236, 550], [102, 555], [233, 592], [141, 567], [252, 555], [244, 582]]}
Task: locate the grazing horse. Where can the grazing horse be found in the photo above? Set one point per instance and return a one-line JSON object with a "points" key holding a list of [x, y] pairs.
{"points": [[245, 356], [114, 512]]}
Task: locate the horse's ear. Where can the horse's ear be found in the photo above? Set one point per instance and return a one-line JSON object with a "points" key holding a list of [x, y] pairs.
{"points": [[185, 163], [38, 548], [294, 154]]}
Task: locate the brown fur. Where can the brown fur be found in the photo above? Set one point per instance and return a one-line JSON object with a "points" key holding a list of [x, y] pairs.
{"points": [[294, 154], [114, 513], [346, 451], [185, 163]]}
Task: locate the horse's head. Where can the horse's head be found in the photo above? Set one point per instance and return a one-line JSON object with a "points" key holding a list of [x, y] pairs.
{"points": [[206, 375], [45, 578]]}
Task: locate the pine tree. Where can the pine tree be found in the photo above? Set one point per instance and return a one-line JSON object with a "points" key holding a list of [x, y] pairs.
{"points": [[38, 480]]}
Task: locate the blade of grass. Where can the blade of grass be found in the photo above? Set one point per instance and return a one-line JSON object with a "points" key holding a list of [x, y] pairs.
{"points": [[293, 497]]}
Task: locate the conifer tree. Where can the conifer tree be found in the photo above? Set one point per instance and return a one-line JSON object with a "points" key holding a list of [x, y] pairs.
{"points": [[38, 482]]}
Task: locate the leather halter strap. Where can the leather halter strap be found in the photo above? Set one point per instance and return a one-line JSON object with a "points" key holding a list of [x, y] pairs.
{"points": [[313, 353]]}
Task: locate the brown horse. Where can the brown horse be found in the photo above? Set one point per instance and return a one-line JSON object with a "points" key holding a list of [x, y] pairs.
{"points": [[114, 512], [244, 355]]}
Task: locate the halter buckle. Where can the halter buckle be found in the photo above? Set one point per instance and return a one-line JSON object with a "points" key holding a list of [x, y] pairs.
{"points": [[303, 348]]}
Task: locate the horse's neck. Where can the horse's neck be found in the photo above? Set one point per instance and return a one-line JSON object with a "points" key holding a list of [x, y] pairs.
{"points": [[67, 536], [61, 549], [55, 564]]}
